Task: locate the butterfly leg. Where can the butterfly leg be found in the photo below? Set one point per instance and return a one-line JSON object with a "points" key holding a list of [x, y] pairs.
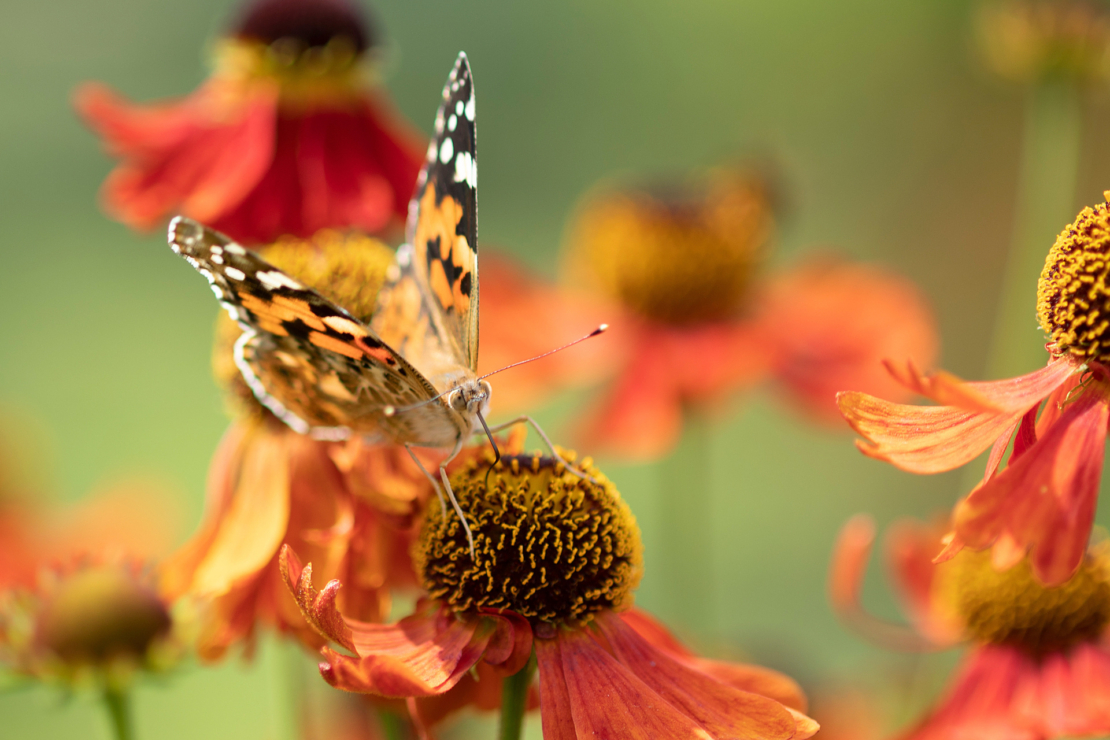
{"points": [[451, 494], [546, 441], [433, 481]]}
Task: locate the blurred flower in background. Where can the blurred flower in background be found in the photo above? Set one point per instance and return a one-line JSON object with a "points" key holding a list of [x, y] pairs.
{"points": [[287, 136], [1038, 40], [1037, 666], [699, 322], [1043, 501], [562, 587]]}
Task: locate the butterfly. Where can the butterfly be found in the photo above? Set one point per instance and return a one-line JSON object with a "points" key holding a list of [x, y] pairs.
{"points": [[409, 376]]}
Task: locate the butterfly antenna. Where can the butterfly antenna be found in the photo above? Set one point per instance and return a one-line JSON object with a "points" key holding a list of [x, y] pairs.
{"points": [[599, 330], [496, 449]]}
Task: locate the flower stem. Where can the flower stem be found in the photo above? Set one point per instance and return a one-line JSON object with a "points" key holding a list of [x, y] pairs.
{"points": [[392, 724], [1045, 204], [685, 563], [118, 704], [514, 702]]}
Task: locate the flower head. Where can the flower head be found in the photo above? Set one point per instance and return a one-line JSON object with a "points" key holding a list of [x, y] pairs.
{"points": [[556, 558], [1038, 666], [99, 618], [700, 321], [1043, 500], [285, 137], [1045, 40]]}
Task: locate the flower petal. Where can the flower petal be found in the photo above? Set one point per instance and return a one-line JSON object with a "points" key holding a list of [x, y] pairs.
{"points": [[1046, 499], [723, 710], [932, 439], [832, 323]]}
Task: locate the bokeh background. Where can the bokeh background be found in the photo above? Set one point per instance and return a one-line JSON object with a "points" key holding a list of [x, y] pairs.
{"points": [[893, 142]]}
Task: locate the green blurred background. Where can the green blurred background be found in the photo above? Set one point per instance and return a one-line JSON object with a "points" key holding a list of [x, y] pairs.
{"points": [[894, 145]]}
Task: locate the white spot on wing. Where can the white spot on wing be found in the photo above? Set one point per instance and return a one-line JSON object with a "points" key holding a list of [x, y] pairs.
{"points": [[235, 273], [458, 107], [470, 107], [452, 122], [446, 151], [273, 280], [217, 259], [235, 249], [466, 169]]}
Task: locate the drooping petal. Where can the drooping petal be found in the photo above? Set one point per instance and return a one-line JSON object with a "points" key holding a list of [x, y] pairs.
{"points": [[846, 572], [932, 439], [751, 678], [911, 550], [721, 709], [1046, 499], [833, 322]]}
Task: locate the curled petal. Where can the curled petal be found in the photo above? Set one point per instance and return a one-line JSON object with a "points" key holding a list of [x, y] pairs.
{"points": [[424, 654], [932, 439], [849, 563], [1046, 499]]}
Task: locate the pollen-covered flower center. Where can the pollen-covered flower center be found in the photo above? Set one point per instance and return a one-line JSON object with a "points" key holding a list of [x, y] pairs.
{"points": [[548, 545], [1073, 296], [346, 268], [674, 261], [1012, 608]]}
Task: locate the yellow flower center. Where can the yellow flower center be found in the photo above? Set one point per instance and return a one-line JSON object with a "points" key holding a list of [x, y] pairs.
{"points": [[98, 614], [1012, 608], [346, 268], [674, 261], [1073, 297], [307, 76], [548, 545]]}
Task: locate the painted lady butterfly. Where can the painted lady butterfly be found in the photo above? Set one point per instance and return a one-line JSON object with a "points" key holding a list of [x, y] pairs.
{"points": [[409, 377]]}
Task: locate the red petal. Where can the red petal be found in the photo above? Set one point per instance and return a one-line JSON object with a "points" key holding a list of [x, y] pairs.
{"points": [[1046, 500], [932, 439], [723, 710], [832, 324]]}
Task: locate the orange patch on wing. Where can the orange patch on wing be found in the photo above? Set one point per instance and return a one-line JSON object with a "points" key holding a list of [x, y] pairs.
{"points": [[281, 309], [440, 221], [335, 345]]}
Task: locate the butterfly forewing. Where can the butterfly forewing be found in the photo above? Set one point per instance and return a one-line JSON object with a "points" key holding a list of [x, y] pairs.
{"points": [[308, 360], [429, 309]]}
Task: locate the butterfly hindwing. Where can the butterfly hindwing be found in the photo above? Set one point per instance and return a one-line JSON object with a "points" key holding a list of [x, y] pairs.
{"points": [[429, 309], [313, 364]]}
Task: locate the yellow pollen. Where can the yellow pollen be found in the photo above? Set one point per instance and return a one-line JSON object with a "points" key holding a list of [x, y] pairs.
{"points": [[1073, 295], [346, 268], [1012, 608], [674, 261], [549, 545], [307, 76]]}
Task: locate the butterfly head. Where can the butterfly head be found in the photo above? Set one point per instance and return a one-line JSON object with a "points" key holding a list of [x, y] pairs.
{"points": [[471, 398]]}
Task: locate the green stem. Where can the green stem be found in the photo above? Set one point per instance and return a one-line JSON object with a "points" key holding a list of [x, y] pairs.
{"points": [[118, 704], [514, 702], [685, 563], [393, 724], [1045, 204]]}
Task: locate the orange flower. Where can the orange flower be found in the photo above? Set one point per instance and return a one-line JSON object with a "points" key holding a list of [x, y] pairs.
{"points": [[284, 138], [1043, 501], [1040, 662], [557, 557], [699, 324]]}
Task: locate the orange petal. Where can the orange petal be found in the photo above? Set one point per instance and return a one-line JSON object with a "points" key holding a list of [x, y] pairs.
{"points": [[721, 709], [751, 678], [833, 322], [932, 439], [911, 551], [1046, 499]]}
